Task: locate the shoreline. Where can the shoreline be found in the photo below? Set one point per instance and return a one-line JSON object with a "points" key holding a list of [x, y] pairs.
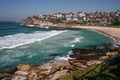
{"points": [[104, 34], [110, 32]]}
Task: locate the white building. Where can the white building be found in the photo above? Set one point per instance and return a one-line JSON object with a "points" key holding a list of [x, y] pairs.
{"points": [[68, 16], [82, 14]]}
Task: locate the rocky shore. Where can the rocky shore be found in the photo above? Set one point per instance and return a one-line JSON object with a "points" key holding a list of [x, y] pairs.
{"points": [[82, 59]]}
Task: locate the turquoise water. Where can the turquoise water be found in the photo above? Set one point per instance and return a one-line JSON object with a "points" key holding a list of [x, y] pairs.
{"points": [[20, 44]]}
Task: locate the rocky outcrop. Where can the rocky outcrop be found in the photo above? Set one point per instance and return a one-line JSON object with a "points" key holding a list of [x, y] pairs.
{"points": [[58, 69], [86, 54], [25, 67], [48, 71]]}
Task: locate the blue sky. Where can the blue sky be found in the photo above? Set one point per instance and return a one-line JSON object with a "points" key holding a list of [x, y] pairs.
{"points": [[11, 10]]}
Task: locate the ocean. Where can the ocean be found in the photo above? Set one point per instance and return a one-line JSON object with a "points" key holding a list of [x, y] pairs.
{"points": [[20, 44]]}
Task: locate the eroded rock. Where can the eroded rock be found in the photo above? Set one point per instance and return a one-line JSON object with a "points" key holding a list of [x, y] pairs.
{"points": [[23, 73], [19, 77], [24, 67]]}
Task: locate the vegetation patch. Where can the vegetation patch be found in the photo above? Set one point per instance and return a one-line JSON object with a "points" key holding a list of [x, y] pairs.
{"points": [[103, 71]]}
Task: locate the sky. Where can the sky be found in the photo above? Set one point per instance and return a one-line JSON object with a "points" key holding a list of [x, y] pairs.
{"points": [[12, 10]]}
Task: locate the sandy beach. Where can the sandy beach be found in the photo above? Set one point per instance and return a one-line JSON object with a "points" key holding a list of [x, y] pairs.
{"points": [[113, 32]]}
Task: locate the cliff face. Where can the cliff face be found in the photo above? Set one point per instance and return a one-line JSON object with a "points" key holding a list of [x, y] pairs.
{"points": [[58, 69]]}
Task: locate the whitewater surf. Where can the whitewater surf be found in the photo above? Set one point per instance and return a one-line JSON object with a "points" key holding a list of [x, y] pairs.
{"points": [[20, 39]]}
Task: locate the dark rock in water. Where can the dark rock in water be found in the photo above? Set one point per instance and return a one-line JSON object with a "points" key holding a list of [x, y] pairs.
{"points": [[87, 54], [81, 51], [80, 54], [84, 56]]}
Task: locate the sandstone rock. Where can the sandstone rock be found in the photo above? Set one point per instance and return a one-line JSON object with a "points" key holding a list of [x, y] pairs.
{"points": [[77, 64], [19, 77], [54, 66], [5, 76], [89, 63], [24, 73], [111, 53], [48, 69], [24, 67], [59, 74], [32, 76], [103, 57]]}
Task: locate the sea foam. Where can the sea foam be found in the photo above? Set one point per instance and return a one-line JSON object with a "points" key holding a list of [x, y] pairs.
{"points": [[67, 57], [77, 39], [12, 41]]}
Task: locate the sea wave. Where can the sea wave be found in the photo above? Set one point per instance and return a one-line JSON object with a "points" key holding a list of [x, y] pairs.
{"points": [[77, 39], [12, 41], [67, 57]]}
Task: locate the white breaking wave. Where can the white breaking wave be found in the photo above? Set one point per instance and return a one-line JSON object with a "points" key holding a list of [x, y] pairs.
{"points": [[77, 39], [20, 39], [67, 57], [62, 58]]}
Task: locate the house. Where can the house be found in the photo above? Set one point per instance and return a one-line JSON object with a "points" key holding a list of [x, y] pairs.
{"points": [[42, 16], [75, 17], [69, 16], [81, 14], [58, 15]]}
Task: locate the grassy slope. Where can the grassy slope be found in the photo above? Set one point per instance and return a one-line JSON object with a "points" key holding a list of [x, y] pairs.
{"points": [[98, 72]]}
